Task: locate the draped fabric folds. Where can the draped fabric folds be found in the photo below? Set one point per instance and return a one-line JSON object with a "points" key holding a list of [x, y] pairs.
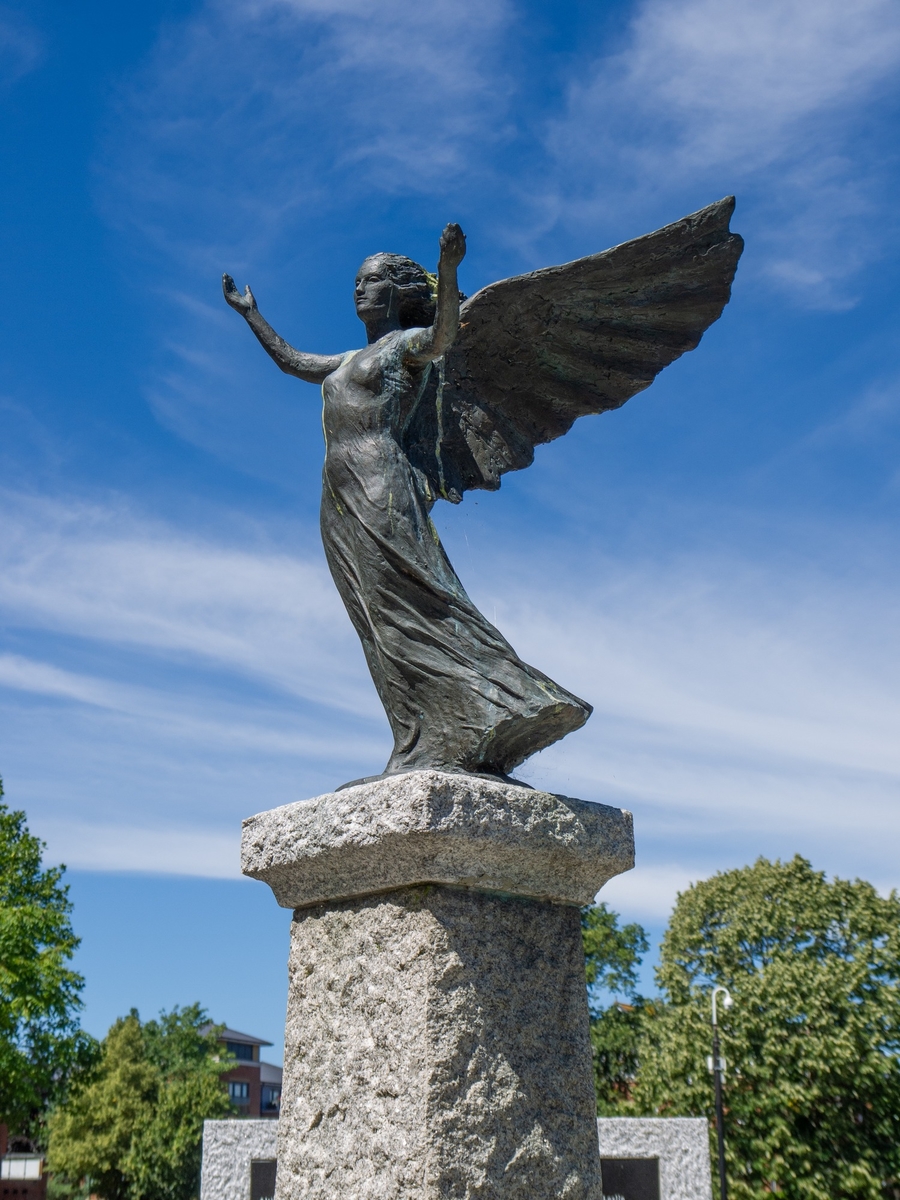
{"points": [[456, 694]]}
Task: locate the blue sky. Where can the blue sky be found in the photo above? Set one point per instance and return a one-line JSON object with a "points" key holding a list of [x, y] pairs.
{"points": [[714, 566]]}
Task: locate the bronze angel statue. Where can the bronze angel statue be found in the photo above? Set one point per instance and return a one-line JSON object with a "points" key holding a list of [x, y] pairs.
{"points": [[446, 397]]}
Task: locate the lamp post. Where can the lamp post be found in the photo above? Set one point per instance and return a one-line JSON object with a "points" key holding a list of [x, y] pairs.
{"points": [[717, 1066]]}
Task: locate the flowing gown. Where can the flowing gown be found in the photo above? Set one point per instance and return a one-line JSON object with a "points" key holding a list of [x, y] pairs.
{"points": [[457, 696]]}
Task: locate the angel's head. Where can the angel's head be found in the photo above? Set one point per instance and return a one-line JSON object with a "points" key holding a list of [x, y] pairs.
{"points": [[392, 288]]}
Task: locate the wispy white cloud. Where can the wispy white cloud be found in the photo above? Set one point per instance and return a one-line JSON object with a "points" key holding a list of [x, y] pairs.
{"points": [[415, 80], [249, 115], [775, 100], [169, 760], [21, 47], [211, 681], [121, 847], [247, 136], [872, 415], [44, 679], [755, 704], [759, 704], [101, 574], [213, 723], [648, 893], [691, 660], [737, 82]]}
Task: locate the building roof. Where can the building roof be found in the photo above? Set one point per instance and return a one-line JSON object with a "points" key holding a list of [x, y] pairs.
{"points": [[233, 1035]]}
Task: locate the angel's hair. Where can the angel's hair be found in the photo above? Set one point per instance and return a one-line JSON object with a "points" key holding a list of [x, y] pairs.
{"points": [[417, 287]]}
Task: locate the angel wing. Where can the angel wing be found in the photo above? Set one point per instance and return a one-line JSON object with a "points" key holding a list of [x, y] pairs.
{"points": [[537, 351]]}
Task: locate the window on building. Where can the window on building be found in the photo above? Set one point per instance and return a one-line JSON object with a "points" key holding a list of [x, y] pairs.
{"points": [[21, 1166], [270, 1100], [239, 1091], [240, 1050]]}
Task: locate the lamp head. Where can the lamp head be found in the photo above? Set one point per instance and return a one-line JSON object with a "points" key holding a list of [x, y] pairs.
{"points": [[727, 1001]]}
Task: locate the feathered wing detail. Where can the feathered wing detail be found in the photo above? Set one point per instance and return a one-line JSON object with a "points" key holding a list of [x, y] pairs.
{"points": [[537, 351]]}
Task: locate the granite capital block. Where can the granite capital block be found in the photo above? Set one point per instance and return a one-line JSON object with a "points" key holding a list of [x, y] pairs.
{"points": [[435, 827], [437, 1041]]}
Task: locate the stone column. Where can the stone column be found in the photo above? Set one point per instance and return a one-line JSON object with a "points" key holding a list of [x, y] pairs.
{"points": [[436, 1043]]}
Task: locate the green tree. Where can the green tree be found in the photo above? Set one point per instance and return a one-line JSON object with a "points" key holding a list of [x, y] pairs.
{"points": [[133, 1128], [812, 1042], [41, 1045], [612, 956]]}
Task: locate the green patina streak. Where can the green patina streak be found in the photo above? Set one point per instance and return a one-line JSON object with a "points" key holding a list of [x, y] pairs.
{"points": [[439, 411]]}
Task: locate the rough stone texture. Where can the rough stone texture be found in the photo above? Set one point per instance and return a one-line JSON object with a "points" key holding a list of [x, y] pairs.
{"points": [[437, 1047], [435, 827], [680, 1143], [437, 1043], [228, 1147]]}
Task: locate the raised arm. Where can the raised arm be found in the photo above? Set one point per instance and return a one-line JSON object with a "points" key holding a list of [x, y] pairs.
{"points": [[311, 367], [427, 344]]}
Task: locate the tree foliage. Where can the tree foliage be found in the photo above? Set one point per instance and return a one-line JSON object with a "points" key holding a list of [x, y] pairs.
{"points": [[612, 956], [41, 1044], [133, 1128], [812, 1042]]}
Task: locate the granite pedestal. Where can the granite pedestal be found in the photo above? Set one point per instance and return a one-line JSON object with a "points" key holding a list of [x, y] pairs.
{"points": [[436, 1043], [680, 1145], [230, 1148]]}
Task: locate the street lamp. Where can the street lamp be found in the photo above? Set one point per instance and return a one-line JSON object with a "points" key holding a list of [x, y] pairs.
{"points": [[717, 1067]]}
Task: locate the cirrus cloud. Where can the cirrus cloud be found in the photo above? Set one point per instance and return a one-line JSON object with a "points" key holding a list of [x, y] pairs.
{"points": [[778, 100]]}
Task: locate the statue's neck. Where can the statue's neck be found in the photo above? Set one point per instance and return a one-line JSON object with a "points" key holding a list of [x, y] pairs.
{"points": [[378, 328]]}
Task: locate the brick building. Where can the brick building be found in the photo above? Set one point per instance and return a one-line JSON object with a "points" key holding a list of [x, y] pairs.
{"points": [[22, 1177], [253, 1085]]}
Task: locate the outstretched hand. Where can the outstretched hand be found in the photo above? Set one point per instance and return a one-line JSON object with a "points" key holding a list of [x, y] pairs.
{"points": [[453, 246], [243, 304]]}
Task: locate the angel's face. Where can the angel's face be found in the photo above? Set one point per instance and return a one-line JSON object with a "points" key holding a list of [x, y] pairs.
{"points": [[376, 293]]}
